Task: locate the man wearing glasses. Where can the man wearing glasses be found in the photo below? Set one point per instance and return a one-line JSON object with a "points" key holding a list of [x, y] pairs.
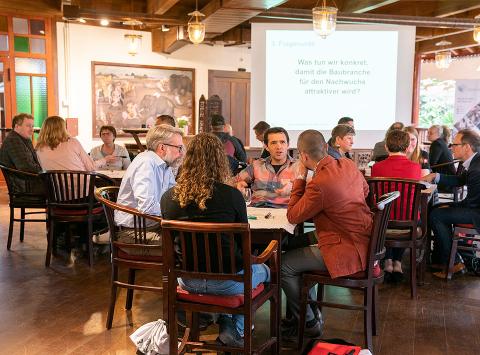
{"points": [[465, 146], [150, 173]]}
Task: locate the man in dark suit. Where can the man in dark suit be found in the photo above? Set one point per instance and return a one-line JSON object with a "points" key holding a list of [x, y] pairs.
{"points": [[439, 152], [465, 147]]}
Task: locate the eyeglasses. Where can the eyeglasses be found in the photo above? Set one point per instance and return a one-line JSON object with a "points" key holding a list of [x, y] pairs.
{"points": [[180, 148], [451, 145]]}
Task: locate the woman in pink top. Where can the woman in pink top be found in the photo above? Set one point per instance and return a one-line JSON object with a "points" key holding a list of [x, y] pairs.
{"points": [[56, 150]]}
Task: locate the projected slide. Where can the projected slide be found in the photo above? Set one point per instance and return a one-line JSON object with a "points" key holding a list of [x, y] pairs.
{"points": [[311, 82]]}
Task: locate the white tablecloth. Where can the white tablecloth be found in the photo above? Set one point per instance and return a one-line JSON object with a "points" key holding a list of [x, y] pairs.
{"points": [[277, 219], [114, 174]]}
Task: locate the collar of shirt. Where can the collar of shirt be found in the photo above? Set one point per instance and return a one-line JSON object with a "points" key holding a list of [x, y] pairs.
{"points": [[466, 163], [268, 163]]}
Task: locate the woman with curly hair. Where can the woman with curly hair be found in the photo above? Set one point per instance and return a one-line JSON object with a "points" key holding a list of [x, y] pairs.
{"points": [[203, 195]]}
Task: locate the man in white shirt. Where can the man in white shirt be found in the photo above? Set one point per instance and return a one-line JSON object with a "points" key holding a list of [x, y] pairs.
{"points": [[150, 173]]}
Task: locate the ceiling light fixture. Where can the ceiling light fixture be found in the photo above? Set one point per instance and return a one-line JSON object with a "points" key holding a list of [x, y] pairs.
{"points": [[443, 58], [82, 20], [324, 19], [134, 40], [476, 29], [165, 28], [196, 28], [104, 22]]}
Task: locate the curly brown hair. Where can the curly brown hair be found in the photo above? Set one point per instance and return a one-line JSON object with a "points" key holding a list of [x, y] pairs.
{"points": [[204, 164]]}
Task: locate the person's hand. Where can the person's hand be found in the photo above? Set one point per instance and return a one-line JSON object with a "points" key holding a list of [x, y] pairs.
{"points": [[110, 159], [302, 171], [429, 177], [241, 185]]}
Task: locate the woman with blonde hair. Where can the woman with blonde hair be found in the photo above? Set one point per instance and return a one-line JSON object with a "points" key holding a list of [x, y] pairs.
{"points": [[202, 194], [56, 150], [414, 152]]}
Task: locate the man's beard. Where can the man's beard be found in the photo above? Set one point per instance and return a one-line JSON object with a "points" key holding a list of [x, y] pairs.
{"points": [[175, 163]]}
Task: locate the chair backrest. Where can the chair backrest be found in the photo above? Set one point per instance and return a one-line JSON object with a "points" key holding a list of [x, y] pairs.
{"points": [[380, 222], [405, 211], [73, 189], [22, 183], [107, 196], [199, 250]]}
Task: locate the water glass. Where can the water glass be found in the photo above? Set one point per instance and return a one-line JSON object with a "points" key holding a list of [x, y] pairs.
{"points": [[247, 195]]}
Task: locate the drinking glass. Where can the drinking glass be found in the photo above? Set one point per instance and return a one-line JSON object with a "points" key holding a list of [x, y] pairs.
{"points": [[247, 195]]}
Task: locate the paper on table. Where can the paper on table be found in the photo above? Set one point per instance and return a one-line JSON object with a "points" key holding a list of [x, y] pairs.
{"points": [[277, 218]]}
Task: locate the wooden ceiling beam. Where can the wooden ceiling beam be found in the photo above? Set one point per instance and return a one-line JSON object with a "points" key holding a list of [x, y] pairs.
{"points": [[452, 8], [362, 6], [223, 15], [427, 34], [169, 42], [459, 41], [159, 7]]}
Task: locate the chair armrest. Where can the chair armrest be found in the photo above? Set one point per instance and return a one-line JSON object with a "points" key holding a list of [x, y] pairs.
{"points": [[266, 254]]}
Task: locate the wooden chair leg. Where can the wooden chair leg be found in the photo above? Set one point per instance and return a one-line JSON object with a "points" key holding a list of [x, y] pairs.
{"points": [[49, 244], [367, 317], [165, 296], [113, 297], [413, 273], [193, 323], [131, 281], [274, 324], [10, 228], [451, 261], [375, 309], [247, 338], [22, 224], [320, 292], [90, 243], [303, 312], [172, 329]]}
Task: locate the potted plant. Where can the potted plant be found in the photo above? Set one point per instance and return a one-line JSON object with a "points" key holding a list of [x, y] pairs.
{"points": [[183, 123]]}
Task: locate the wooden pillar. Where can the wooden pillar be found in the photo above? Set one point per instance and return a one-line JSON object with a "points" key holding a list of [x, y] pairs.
{"points": [[417, 69]]}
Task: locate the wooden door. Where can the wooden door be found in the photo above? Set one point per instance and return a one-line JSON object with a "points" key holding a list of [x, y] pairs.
{"points": [[234, 90]]}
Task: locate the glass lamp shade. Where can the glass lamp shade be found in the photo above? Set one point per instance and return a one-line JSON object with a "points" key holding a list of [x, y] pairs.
{"points": [[196, 29], [324, 20], [443, 59], [476, 33], [134, 42]]}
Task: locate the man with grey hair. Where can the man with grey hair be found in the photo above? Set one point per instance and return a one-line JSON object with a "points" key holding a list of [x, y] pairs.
{"points": [[150, 173], [439, 153], [335, 200]]}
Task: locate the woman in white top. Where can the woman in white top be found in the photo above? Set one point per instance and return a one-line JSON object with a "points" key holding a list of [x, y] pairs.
{"points": [[56, 150], [110, 156]]}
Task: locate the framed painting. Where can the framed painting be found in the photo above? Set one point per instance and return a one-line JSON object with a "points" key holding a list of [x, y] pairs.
{"points": [[132, 96]]}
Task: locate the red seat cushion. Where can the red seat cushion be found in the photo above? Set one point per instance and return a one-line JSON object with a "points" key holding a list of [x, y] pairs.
{"points": [[471, 226], [233, 301], [73, 212]]}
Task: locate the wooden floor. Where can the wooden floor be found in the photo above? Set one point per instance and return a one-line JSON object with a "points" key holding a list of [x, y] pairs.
{"points": [[62, 309]]}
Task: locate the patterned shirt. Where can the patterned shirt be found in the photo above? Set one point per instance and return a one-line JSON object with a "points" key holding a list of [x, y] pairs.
{"points": [[270, 188]]}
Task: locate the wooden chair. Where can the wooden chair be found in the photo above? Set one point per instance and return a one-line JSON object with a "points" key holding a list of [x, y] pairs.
{"points": [[367, 280], [71, 200], [462, 232], [197, 241], [404, 230], [25, 192], [124, 255]]}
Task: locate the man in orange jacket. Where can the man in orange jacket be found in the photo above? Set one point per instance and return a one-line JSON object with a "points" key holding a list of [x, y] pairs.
{"points": [[335, 200]]}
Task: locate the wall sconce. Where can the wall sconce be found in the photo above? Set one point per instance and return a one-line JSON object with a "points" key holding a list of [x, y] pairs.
{"points": [[324, 20]]}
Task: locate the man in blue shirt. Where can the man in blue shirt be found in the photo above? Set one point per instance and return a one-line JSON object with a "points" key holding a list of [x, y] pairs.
{"points": [[150, 173]]}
